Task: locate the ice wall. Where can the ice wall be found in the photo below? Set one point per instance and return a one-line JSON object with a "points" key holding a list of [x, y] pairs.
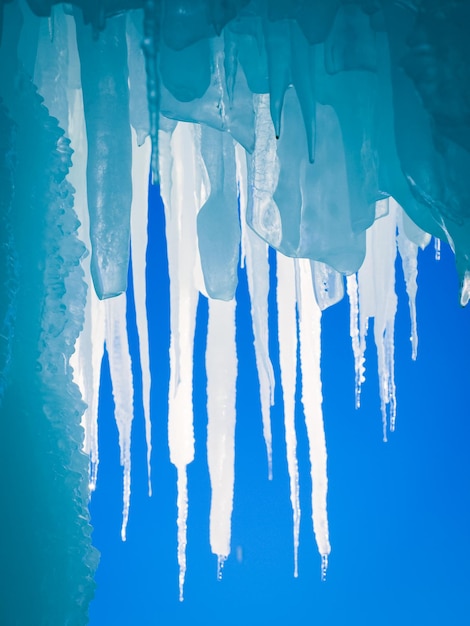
{"points": [[334, 132], [45, 533]]}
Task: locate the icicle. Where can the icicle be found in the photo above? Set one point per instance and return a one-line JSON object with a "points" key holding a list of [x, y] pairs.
{"points": [[465, 289], [221, 366], [96, 319], [123, 391], [52, 64], [182, 504], [218, 225], [214, 106], [257, 269], [409, 259], [278, 49], [90, 344], [328, 284], [263, 216], [139, 217], [377, 299], [86, 363], [138, 109], [413, 232], [180, 177], [287, 333], [150, 47], [310, 354], [358, 349], [303, 73], [109, 187]]}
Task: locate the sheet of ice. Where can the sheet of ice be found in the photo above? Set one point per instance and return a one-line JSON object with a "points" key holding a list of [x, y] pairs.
{"points": [[180, 176], [287, 335], [221, 367], [310, 355], [255, 257], [277, 37], [120, 368], [303, 78], [354, 96], [139, 217], [291, 61], [221, 96], [246, 35], [314, 212]]}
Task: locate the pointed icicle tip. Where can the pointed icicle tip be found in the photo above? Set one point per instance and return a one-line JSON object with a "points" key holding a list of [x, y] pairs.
{"points": [[220, 565], [465, 289], [181, 586], [324, 566]]}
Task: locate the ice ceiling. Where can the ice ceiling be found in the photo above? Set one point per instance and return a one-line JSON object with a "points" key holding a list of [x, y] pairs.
{"points": [[335, 132]]}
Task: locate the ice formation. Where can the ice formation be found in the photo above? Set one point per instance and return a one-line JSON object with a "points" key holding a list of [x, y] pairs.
{"points": [[334, 132]]}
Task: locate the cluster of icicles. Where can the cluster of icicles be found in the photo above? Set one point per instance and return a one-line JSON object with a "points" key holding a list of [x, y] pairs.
{"points": [[304, 288], [230, 188]]}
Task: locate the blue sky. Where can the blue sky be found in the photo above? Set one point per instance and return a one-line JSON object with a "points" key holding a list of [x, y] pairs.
{"points": [[399, 512]]}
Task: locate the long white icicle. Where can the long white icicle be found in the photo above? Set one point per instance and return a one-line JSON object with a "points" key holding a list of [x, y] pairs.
{"points": [[120, 367], [257, 271], [179, 177], [287, 333], [221, 367], [139, 218], [310, 353]]}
